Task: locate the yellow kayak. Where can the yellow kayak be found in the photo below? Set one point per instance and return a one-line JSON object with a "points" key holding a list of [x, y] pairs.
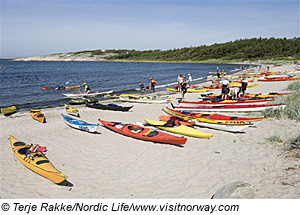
{"points": [[72, 111], [9, 110], [37, 115], [189, 90], [239, 85], [182, 129], [36, 161], [123, 95]]}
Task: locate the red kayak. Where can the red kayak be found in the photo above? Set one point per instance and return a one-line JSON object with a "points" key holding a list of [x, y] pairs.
{"points": [[212, 87], [278, 79], [227, 102], [212, 116], [231, 108], [142, 133]]}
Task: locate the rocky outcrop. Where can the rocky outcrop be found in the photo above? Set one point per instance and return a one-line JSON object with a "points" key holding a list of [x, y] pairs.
{"points": [[84, 56]]}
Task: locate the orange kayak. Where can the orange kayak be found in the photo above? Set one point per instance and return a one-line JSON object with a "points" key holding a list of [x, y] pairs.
{"points": [[66, 88]]}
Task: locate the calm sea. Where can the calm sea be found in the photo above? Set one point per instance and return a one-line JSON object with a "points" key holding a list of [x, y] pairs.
{"points": [[21, 82]]}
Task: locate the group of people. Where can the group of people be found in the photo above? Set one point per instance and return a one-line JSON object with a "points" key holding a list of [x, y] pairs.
{"points": [[236, 92], [183, 84], [152, 84]]}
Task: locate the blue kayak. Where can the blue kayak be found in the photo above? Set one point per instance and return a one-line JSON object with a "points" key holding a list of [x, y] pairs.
{"points": [[79, 124]]}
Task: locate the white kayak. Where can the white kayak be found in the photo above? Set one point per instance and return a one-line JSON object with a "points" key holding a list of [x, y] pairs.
{"points": [[79, 124], [146, 99], [78, 95]]}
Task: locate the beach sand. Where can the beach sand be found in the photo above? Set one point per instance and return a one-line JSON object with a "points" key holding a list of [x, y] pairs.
{"points": [[109, 165]]}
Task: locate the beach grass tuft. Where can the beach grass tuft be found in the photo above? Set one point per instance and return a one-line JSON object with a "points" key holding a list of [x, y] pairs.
{"points": [[275, 138], [292, 109]]}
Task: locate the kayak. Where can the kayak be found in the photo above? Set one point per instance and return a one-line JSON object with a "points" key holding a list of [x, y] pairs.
{"points": [[113, 107], [76, 101], [123, 95], [47, 88], [248, 95], [72, 111], [181, 129], [230, 125], [212, 116], [182, 121], [218, 102], [37, 115], [76, 95], [36, 161], [91, 100], [72, 87], [146, 99], [231, 108], [143, 133], [61, 88], [279, 79], [9, 110], [230, 86], [188, 90], [79, 124]]}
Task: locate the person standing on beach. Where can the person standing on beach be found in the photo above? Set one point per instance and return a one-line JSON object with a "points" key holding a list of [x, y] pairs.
{"points": [[225, 88], [152, 84], [243, 87], [183, 88]]}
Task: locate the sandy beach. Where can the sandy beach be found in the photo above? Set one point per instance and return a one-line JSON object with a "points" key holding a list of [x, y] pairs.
{"points": [[109, 165]]}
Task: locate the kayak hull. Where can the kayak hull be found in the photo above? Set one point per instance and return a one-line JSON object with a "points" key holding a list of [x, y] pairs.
{"points": [[183, 130], [71, 111], [8, 110], [231, 108], [145, 100], [188, 90], [40, 163], [212, 116], [80, 124], [80, 95], [108, 107], [143, 133], [38, 115]]}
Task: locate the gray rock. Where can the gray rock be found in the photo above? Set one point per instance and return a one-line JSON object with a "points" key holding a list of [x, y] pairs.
{"points": [[235, 190]]}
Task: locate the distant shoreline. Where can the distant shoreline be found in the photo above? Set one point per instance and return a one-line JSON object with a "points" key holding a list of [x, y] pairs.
{"points": [[85, 58]]}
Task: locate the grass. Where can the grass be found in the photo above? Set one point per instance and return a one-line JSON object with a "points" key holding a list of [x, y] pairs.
{"points": [[292, 109], [274, 139]]}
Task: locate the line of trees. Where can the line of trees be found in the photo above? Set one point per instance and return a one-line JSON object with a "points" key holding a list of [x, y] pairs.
{"points": [[243, 49]]}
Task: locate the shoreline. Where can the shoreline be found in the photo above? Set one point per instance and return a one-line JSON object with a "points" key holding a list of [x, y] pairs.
{"points": [[56, 58], [109, 165]]}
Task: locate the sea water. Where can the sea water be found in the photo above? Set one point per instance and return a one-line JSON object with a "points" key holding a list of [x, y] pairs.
{"points": [[21, 81]]}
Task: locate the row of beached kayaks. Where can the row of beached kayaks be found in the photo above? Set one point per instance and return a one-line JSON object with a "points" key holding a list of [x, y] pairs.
{"points": [[178, 122], [215, 121], [175, 121]]}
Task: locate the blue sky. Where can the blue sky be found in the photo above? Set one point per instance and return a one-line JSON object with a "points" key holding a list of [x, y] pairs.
{"points": [[39, 27]]}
